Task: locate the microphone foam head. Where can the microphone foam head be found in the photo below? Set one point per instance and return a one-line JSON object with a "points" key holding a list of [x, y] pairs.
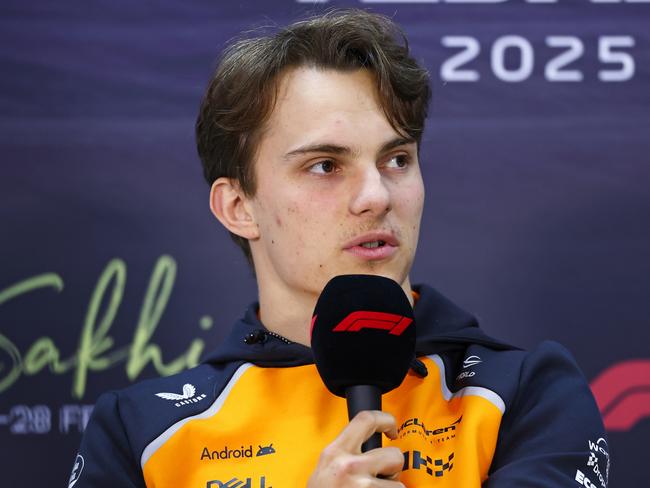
{"points": [[363, 333]]}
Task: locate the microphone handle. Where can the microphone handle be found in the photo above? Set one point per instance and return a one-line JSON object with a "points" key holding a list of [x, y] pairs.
{"points": [[364, 397]]}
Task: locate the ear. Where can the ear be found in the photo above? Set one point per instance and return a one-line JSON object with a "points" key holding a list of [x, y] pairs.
{"points": [[229, 204]]}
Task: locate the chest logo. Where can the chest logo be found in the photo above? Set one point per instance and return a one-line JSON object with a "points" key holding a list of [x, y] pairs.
{"points": [[265, 450], [471, 361], [237, 483], [187, 397], [438, 435], [433, 467], [242, 452]]}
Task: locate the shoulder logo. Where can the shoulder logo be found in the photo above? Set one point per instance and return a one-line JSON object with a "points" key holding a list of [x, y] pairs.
{"points": [[76, 470], [188, 396], [188, 392], [471, 361]]}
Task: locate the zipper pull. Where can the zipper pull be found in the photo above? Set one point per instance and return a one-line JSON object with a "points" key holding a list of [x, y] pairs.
{"points": [[419, 368], [255, 337]]}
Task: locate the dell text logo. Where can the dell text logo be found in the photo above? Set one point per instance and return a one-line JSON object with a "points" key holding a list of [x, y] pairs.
{"points": [[237, 483]]}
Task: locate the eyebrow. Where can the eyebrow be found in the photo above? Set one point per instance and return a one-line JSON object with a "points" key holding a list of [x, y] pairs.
{"points": [[337, 149]]}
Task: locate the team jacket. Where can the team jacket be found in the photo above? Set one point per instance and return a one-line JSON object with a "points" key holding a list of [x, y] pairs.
{"points": [[473, 411]]}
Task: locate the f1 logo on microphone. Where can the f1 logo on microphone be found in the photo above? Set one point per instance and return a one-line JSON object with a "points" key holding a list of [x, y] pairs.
{"points": [[395, 324]]}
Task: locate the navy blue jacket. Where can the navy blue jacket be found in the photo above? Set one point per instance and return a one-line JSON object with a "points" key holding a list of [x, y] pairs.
{"points": [[475, 411]]}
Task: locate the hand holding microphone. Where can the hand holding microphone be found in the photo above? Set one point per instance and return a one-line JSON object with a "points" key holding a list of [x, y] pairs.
{"points": [[342, 464], [363, 340]]}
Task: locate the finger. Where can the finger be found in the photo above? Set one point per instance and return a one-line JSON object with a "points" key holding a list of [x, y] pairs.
{"points": [[386, 462], [379, 483], [362, 426]]}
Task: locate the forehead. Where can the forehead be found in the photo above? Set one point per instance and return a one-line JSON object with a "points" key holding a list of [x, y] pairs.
{"points": [[319, 86], [325, 105]]}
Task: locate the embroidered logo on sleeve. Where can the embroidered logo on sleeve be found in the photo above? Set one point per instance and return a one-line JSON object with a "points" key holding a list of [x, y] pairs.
{"points": [[76, 470], [188, 396], [598, 460], [468, 363], [598, 463]]}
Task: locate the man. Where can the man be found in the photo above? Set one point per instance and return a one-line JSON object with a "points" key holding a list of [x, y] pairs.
{"points": [[309, 139]]}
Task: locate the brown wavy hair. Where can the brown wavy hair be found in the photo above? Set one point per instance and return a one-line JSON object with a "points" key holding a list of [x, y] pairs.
{"points": [[242, 92]]}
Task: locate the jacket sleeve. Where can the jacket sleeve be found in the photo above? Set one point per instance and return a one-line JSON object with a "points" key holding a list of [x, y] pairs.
{"points": [[105, 458], [552, 435]]}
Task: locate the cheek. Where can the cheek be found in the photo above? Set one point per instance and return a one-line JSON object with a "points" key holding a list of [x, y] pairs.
{"points": [[408, 206], [300, 220], [410, 200], [290, 223], [309, 229]]}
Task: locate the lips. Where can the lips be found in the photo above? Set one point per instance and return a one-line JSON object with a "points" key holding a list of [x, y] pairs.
{"points": [[373, 246], [387, 238]]}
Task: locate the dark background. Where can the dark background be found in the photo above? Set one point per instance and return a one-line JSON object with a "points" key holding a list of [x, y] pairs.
{"points": [[537, 213]]}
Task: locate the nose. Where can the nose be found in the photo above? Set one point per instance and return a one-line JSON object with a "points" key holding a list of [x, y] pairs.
{"points": [[370, 195]]}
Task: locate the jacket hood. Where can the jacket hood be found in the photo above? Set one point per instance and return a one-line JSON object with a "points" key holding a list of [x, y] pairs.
{"points": [[440, 325]]}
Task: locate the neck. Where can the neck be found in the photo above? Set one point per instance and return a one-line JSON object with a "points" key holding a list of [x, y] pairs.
{"points": [[289, 316]]}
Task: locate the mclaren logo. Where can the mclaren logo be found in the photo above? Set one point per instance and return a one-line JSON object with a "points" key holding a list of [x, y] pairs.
{"points": [[437, 435], [187, 397]]}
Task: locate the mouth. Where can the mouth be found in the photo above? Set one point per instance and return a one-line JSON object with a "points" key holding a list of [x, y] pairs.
{"points": [[373, 246]]}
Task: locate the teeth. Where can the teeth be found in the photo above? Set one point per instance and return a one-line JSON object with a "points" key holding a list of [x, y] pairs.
{"points": [[373, 244]]}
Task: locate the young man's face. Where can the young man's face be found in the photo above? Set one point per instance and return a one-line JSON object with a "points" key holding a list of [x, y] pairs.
{"points": [[339, 191]]}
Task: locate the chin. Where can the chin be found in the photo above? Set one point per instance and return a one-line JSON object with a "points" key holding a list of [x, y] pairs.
{"points": [[377, 268]]}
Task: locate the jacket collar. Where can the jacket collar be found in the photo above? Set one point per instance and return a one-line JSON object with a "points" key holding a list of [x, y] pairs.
{"points": [[440, 324]]}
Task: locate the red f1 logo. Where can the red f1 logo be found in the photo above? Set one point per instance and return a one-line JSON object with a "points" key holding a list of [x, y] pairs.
{"points": [[622, 392], [395, 324]]}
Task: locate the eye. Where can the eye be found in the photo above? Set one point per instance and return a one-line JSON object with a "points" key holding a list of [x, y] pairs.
{"points": [[323, 167], [398, 161]]}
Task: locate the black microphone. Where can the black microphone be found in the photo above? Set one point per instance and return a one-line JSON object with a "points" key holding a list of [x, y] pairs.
{"points": [[363, 340]]}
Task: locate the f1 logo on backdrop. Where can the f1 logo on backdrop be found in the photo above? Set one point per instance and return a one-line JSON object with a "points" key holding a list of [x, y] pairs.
{"points": [[622, 393], [395, 324]]}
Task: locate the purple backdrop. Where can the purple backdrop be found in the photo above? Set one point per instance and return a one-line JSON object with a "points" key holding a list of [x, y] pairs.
{"points": [[112, 268]]}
